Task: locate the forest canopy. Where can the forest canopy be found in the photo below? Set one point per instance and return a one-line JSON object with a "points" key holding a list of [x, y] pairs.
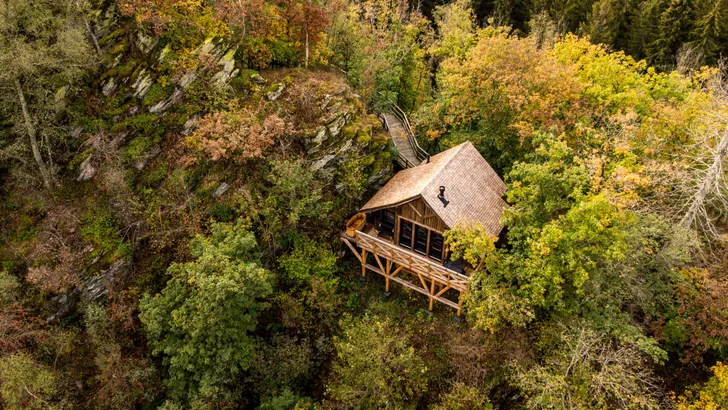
{"points": [[175, 175]]}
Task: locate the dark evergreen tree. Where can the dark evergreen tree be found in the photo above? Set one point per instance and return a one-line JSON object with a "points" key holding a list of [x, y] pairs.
{"points": [[676, 23], [712, 29], [502, 10], [609, 21], [644, 30]]}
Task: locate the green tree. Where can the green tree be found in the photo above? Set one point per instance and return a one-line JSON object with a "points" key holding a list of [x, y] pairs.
{"points": [[582, 369], [455, 24], [676, 23], [711, 395], [26, 384], [573, 253], [471, 243], [711, 31], [202, 321], [45, 53], [502, 10], [608, 22], [122, 380], [644, 30], [307, 260], [376, 366], [546, 185], [463, 397], [381, 47], [293, 194]]}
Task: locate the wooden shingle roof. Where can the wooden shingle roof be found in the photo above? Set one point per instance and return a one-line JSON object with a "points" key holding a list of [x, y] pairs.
{"points": [[473, 191]]}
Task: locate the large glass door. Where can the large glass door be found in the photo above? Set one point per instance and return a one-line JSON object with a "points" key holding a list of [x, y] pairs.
{"points": [[405, 234], [421, 234], [420, 239], [436, 246]]}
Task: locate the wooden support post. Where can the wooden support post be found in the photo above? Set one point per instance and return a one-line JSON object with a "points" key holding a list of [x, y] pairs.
{"points": [[363, 263], [353, 249], [386, 277], [460, 303], [379, 262], [432, 292]]}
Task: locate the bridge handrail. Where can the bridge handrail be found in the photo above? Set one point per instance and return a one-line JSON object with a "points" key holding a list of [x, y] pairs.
{"points": [[397, 112], [401, 159]]}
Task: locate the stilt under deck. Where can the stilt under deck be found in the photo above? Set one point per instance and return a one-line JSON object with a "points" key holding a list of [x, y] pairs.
{"points": [[393, 262]]}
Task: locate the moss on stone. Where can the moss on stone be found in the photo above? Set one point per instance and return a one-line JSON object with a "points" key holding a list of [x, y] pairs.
{"points": [[362, 137], [127, 69], [348, 132], [368, 160], [155, 94], [112, 36], [119, 48]]}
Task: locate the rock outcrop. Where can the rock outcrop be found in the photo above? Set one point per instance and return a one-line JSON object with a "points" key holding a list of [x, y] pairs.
{"points": [[92, 290]]}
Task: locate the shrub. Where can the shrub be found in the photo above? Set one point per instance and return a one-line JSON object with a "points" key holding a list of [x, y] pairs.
{"points": [[25, 384], [376, 366], [202, 320]]}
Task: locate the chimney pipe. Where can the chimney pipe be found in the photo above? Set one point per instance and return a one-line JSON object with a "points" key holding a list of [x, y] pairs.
{"points": [[442, 192], [428, 158]]}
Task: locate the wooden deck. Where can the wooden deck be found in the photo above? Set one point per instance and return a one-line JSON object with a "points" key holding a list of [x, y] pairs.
{"points": [[391, 261]]}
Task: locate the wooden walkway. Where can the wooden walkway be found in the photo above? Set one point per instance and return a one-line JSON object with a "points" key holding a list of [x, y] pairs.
{"points": [[410, 152], [399, 138]]}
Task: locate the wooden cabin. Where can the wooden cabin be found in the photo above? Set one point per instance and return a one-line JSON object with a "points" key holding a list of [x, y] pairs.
{"points": [[402, 237]]}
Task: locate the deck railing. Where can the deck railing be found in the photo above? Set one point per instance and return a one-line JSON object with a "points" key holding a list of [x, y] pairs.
{"points": [[434, 279]]}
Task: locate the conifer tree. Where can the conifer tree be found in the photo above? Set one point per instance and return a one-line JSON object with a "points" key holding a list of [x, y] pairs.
{"points": [[502, 10], [605, 22], [675, 25], [644, 28], [711, 30]]}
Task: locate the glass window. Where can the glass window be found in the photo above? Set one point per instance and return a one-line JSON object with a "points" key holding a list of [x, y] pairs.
{"points": [[387, 224], [421, 239], [436, 245], [405, 234]]}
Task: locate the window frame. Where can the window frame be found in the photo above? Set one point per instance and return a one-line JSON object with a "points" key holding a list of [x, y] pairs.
{"points": [[413, 238]]}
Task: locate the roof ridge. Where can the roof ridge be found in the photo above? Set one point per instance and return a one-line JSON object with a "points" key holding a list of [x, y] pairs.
{"points": [[456, 149]]}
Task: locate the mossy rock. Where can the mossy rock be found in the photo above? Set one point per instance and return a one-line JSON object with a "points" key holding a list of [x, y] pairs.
{"points": [[75, 164], [368, 160], [356, 103], [374, 122], [119, 48], [126, 70], [348, 132], [138, 147], [155, 94], [110, 73], [111, 36], [157, 176], [362, 137], [380, 136]]}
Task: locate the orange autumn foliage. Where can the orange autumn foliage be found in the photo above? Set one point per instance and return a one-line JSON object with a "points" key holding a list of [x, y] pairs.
{"points": [[235, 134]]}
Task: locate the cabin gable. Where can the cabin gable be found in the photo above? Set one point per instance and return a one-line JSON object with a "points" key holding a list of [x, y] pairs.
{"points": [[418, 211]]}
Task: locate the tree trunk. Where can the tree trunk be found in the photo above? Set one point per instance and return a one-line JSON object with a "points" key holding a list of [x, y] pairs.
{"points": [[306, 47], [93, 36], [710, 181], [32, 135]]}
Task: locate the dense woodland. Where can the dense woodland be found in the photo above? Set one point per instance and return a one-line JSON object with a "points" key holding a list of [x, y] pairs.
{"points": [[174, 175]]}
